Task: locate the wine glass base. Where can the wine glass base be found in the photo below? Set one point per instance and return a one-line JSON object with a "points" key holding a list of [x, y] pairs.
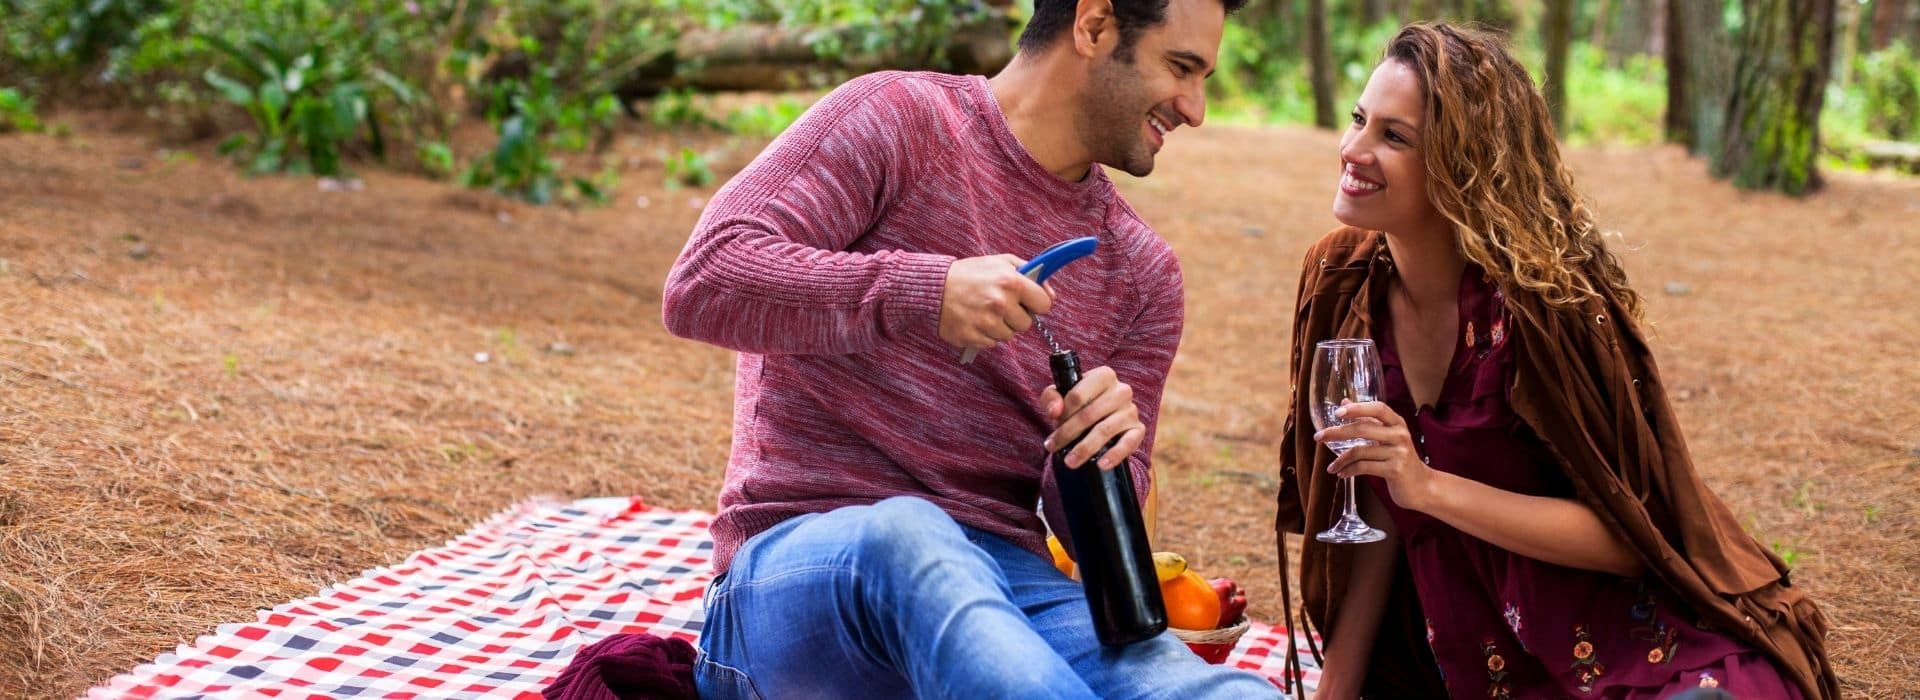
{"points": [[1351, 531]]}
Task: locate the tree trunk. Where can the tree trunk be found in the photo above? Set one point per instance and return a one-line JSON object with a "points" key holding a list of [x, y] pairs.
{"points": [[1371, 11], [1602, 14], [1558, 25], [1320, 63], [1657, 29], [1889, 17], [1699, 59], [1628, 34], [1784, 55], [1848, 22]]}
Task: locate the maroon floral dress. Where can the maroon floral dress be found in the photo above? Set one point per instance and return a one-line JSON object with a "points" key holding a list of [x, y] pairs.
{"points": [[1502, 625]]}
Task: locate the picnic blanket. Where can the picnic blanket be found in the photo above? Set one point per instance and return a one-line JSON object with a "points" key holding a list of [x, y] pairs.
{"points": [[495, 613]]}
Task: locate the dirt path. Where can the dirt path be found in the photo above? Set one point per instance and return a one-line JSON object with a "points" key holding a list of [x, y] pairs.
{"points": [[221, 393]]}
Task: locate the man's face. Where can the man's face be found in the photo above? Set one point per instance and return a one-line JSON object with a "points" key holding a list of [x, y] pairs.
{"points": [[1131, 102]]}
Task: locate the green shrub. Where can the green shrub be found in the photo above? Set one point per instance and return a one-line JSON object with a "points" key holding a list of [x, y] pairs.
{"points": [[306, 79], [764, 119], [1889, 80], [688, 168], [16, 112]]}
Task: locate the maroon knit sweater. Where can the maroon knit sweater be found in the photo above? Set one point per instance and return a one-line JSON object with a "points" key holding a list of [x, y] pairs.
{"points": [[824, 263]]}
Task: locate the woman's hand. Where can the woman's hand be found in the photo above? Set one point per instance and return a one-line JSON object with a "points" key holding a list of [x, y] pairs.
{"points": [[1391, 457]]}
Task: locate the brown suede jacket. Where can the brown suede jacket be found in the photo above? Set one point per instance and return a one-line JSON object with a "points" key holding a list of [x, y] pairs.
{"points": [[1585, 382]]}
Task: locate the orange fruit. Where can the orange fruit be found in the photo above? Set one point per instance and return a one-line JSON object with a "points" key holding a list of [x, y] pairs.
{"points": [[1191, 602], [1060, 559]]}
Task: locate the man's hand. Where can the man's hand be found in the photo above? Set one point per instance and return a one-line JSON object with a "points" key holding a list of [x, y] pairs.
{"points": [[987, 300], [1102, 407]]}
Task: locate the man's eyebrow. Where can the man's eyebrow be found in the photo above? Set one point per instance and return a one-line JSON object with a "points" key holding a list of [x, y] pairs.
{"points": [[1194, 61]]}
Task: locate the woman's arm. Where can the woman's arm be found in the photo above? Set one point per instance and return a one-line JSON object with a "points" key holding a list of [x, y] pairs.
{"points": [[1554, 530], [1357, 622]]}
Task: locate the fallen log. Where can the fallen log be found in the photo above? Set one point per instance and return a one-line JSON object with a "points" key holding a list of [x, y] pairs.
{"points": [[768, 57], [1895, 154]]}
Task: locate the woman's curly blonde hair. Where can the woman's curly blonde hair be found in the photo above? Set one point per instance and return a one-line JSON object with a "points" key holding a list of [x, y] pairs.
{"points": [[1494, 170]]}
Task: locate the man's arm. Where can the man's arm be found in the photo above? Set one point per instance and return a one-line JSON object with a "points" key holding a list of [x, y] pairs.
{"points": [[766, 269]]}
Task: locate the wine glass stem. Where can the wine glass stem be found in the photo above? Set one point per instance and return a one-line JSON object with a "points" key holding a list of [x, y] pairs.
{"points": [[1353, 506]]}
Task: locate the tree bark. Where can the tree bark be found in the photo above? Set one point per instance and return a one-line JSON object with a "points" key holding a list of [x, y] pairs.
{"points": [[1889, 17], [1558, 25], [1602, 14], [1628, 34], [1783, 59], [1848, 22], [1320, 63], [1371, 11], [1699, 60]]}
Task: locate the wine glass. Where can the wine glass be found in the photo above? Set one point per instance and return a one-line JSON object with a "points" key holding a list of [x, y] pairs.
{"points": [[1345, 370]]}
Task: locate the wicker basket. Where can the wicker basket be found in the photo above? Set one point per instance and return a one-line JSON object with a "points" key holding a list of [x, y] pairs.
{"points": [[1213, 645]]}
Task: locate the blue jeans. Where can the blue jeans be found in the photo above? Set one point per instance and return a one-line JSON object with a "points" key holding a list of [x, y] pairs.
{"points": [[896, 599]]}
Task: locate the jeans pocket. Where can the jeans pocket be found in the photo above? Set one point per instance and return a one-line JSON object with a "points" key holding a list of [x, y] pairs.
{"points": [[718, 681]]}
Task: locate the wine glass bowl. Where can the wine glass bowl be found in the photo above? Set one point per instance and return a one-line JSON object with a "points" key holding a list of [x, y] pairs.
{"points": [[1345, 370]]}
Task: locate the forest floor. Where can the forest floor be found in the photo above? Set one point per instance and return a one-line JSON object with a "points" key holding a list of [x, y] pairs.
{"points": [[222, 392]]}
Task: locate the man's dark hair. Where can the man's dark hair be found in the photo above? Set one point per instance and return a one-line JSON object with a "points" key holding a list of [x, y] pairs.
{"points": [[1052, 18]]}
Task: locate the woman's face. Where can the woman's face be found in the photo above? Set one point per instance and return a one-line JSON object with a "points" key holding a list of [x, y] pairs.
{"points": [[1383, 177]]}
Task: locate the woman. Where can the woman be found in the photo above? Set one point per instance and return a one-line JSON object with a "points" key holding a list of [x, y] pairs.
{"points": [[1548, 534]]}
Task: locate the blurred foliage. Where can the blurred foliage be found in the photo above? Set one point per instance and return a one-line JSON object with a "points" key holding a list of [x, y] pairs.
{"points": [[16, 112], [313, 85], [1890, 87]]}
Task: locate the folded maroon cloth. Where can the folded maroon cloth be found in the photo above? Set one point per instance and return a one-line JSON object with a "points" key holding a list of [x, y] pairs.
{"points": [[628, 667]]}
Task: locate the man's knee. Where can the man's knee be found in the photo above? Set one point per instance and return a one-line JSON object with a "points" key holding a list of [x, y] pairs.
{"points": [[904, 530]]}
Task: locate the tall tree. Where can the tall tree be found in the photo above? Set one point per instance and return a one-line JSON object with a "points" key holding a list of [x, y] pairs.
{"points": [[1557, 26], [1784, 51], [1371, 11], [1699, 58], [1320, 63], [1889, 17], [1848, 22], [1627, 34], [1602, 14]]}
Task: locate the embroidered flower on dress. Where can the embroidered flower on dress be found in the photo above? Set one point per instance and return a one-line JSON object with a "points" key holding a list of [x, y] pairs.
{"points": [[1665, 638], [1708, 681], [1497, 688], [1513, 619], [1585, 666]]}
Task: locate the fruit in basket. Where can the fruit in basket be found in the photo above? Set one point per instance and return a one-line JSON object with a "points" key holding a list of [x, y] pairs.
{"points": [[1168, 565], [1233, 600], [1191, 602]]}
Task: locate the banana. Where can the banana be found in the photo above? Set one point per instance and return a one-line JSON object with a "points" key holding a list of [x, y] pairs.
{"points": [[1167, 565]]}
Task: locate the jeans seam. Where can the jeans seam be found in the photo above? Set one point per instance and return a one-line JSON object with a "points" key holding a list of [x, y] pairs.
{"points": [[722, 595]]}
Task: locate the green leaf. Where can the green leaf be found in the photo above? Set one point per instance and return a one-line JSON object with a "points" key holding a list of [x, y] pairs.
{"points": [[229, 88]]}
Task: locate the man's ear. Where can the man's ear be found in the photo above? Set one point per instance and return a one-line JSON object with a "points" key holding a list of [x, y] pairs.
{"points": [[1094, 28]]}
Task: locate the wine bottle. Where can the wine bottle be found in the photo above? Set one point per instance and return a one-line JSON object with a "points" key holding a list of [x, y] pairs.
{"points": [[1109, 536]]}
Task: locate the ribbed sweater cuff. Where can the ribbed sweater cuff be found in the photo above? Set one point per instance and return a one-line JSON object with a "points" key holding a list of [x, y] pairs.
{"points": [[916, 285]]}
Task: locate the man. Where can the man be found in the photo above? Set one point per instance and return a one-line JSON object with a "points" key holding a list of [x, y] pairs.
{"points": [[877, 534]]}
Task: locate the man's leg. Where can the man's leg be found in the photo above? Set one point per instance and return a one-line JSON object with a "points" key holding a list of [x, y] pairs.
{"points": [[1161, 667], [886, 600]]}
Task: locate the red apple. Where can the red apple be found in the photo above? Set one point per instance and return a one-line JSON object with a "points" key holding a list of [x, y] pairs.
{"points": [[1233, 600]]}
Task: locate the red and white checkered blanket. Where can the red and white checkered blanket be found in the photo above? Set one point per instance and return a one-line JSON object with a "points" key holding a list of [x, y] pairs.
{"points": [[497, 612]]}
